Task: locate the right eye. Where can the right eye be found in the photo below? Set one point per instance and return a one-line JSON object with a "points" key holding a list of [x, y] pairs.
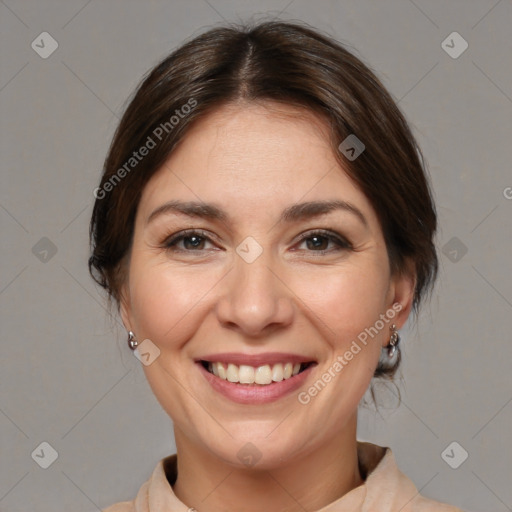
{"points": [[187, 241]]}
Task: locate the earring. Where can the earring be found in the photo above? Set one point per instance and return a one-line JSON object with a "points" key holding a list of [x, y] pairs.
{"points": [[393, 341], [132, 342]]}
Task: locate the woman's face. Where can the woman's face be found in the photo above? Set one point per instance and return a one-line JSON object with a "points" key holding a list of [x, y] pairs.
{"points": [[253, 247]]}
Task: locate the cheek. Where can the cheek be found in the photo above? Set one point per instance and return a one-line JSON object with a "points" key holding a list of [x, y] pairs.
{"points": [[349, 299], [166, 301], [348, 302]]}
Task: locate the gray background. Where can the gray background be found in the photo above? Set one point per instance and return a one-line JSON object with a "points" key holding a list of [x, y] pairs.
{"points": [[67, 375]]}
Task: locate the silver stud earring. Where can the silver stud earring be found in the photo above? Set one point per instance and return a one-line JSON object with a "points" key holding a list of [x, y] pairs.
{"points": [[132, 342], [393, 341]]}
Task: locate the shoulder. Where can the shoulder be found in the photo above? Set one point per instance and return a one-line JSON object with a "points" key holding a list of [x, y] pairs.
{"points": [[156, 490], [388, 489]]}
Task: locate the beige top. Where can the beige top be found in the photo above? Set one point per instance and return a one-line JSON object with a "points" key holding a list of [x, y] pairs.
{"points": [[386, 489]]}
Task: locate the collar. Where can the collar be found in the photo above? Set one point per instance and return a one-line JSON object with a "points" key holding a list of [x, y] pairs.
{"points": [[385, 488]]}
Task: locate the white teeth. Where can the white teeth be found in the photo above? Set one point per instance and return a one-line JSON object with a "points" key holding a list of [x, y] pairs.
{"points": [[222, 371], [277, 373], [245, 374], [263, 375], [232, 373]]}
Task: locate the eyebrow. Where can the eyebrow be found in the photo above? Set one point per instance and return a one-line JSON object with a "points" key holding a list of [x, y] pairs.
{"points": [[300, 211]]}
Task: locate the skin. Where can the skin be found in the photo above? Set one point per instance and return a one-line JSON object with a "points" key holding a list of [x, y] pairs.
{"points": [[200, 297]]}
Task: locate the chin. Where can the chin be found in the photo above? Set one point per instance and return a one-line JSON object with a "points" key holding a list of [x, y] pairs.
{"points": [[257, 451]]}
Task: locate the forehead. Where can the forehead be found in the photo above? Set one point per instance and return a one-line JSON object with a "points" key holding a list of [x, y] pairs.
{"points": [[251, 140], [253, 155]]}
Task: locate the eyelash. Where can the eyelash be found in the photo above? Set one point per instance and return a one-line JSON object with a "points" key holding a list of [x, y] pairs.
{"points": [[170, 242], [338, 240]]}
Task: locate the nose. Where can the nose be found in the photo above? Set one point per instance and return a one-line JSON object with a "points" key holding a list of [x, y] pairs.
{"points": [[255, 300]]}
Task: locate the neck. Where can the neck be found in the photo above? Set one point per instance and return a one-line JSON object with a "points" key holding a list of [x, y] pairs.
{"points": [[308, 482]]}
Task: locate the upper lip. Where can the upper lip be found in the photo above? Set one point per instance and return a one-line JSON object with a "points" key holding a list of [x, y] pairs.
{"points": [[256, 360]]}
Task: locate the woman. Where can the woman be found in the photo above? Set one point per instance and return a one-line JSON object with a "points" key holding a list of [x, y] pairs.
{"points": [[265, 227]]}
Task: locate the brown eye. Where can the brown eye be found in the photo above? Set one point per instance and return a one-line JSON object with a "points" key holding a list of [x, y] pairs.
{"points": [[193, 242], [324, 241], [187, 241], [317, 243]]}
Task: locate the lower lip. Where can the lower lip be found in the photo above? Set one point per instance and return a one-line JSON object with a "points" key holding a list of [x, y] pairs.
{"points": [[256, 393]]}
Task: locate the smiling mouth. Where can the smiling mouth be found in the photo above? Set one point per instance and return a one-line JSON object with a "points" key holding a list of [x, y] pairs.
{"points": [[263, 375]]}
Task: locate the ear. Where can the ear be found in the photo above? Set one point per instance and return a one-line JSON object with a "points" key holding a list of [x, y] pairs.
{"points": [[402, 290]]}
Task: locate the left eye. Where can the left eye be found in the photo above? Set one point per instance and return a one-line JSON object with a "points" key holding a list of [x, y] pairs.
{"points": [[320, 242]]}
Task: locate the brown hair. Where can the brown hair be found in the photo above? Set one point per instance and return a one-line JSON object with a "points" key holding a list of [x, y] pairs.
{"points": [[287, 63]]}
